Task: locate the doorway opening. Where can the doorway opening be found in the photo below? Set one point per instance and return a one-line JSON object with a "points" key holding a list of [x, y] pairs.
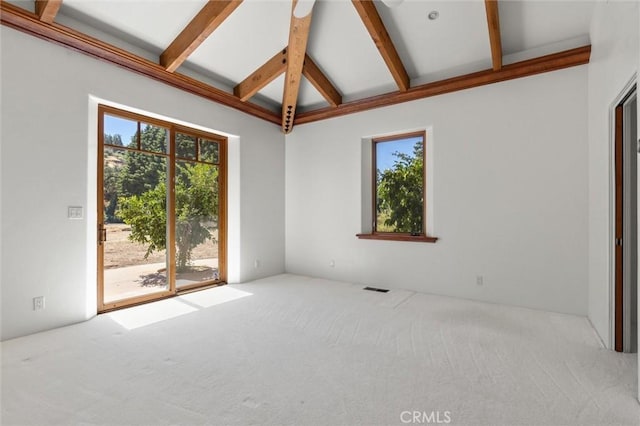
{"points": [[626, 223], [161, 209]]}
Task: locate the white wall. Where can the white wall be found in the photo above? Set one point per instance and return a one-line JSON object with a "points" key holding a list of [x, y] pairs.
{"points": [[48, 155], [614, 60], [510, 195]]}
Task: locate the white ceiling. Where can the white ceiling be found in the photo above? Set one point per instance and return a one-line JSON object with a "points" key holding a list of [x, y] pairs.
{"points": [[341, 46], [529, 25], [253, 33], [460, 35], [155, 22], [457, 43]]}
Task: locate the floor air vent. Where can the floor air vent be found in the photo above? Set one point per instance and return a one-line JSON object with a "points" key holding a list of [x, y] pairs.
{"points": [[380, 290]]}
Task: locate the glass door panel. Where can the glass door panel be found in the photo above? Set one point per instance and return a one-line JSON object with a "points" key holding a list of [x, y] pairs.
{"points": [[134, 232], [196, 232]]}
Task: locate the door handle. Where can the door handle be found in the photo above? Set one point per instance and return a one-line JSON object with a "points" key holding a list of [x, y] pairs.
{"points": [[102, 234]]}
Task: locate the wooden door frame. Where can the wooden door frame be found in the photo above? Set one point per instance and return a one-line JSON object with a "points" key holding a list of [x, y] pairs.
{"points": [[618, 228], [171, 219]]}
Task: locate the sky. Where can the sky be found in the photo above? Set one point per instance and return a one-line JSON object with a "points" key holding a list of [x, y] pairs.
{"points": [[120, 126], [385, 150]]}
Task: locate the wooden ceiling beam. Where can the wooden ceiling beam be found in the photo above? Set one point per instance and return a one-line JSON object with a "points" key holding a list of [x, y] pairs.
{"points": [[493, 21], [372, 21], [320, 81], [264, 75], [29, 23], [543, 64], [275, 66], [47, 9], [297, 51], [201, 26]]}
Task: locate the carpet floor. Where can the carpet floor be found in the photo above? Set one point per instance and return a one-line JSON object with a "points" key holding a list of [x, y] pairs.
{"points": [[292, 350]]}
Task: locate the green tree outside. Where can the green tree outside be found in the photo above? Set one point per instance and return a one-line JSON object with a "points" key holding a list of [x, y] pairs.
{"points": [[142, 172], [136, 193], [400, 193], [196, 202]]}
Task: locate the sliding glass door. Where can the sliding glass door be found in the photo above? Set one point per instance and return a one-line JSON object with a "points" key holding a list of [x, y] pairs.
{"points": [[161, 209], [197, 224]]}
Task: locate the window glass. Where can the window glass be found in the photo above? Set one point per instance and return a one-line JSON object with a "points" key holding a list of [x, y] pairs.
{"points": [[186, 146], [399, 184], [154, 138], [208, 151], [120, 131]]}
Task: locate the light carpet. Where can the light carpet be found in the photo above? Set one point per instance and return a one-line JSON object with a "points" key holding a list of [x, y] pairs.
{"points": [[294, 350]]}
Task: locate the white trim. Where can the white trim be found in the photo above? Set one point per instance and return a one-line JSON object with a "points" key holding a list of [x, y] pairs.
{"points": [[612, 200], [91, 203], [157, 116]]}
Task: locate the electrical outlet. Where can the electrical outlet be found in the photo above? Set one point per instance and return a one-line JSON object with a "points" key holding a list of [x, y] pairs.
{"points": [[38, 303], [480, 280], [256, 263], [332, 263]]}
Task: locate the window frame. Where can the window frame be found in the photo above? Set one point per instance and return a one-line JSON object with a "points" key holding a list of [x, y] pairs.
{"points": [[397, 236]]}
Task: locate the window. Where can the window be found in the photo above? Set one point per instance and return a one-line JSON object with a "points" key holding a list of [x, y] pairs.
{"points": [[399, 188]]}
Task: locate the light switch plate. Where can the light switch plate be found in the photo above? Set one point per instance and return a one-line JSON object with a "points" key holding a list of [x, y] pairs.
{"points": [[74, 212]]}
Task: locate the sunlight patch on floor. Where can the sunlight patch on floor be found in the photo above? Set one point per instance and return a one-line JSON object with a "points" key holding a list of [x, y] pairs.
{"points": [[215, 296], [151, 313]]}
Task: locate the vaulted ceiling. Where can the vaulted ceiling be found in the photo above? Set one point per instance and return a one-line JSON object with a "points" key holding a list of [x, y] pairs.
{"points": [[343, 57]]}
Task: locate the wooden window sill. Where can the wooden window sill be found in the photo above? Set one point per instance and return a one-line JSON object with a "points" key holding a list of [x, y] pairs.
{"points": [[398, 237]]}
